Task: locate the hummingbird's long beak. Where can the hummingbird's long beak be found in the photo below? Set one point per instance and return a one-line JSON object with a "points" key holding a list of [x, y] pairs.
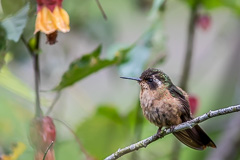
{"points": [[135, 79]]}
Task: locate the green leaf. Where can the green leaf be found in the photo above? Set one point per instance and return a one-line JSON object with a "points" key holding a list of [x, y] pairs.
{"points": [[67, 150], [14, 25], [189, 2], [102, 134], [212, 4], [110, 112], [121, 54], [12, 6], [233, 5], [88, 64], [137, 57], [137, 60]]}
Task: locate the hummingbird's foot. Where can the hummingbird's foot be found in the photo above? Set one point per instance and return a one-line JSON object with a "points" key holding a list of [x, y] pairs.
{"points": [[159, 132], [171, 128]]}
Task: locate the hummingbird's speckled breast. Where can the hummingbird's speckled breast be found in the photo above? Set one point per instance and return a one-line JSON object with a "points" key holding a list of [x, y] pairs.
{"points": [[159, 109]]}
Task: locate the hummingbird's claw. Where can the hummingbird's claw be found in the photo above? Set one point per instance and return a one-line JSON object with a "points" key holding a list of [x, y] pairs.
{"points": [[171, 128], [159, 132]]}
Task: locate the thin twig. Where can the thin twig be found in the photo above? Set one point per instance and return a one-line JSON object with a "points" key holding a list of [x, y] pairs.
{"points": [[82, 149], [53, 103], [182, 126], [101, 9], [45, 154]]}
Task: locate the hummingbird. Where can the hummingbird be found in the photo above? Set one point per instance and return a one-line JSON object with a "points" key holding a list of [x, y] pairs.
{"points": [[166, 105]]}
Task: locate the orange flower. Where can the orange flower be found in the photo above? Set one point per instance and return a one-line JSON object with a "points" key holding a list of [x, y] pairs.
{"points": [[51, 17]]}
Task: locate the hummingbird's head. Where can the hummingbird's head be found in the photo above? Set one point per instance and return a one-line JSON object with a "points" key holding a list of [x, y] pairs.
{"points": [[151, 79]]}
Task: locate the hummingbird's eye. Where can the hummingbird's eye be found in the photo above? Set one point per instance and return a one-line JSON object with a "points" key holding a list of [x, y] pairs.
{"points": [[150, 80]]}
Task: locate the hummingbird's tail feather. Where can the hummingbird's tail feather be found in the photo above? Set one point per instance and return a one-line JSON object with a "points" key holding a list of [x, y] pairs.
{"points": [[195, 138]]}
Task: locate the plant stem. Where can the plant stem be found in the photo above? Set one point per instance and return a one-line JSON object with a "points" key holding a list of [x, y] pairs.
{"points": [[190, 42], [35, 57], [37, 77]]}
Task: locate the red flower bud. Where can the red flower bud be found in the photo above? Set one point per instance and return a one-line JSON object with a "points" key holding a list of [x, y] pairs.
{"points": [[193, 102], [204, 21], [42, 133]]}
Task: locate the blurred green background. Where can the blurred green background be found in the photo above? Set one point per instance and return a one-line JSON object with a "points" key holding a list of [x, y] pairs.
{"points": [[102, 109]]}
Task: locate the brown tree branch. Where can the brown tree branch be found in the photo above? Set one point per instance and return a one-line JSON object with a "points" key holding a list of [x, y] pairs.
{"points": [[186, 125]]}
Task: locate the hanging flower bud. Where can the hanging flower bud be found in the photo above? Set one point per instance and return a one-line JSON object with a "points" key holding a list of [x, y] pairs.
{"points": [[42, 134], [51, 17], [204, 21], [193, 102]]}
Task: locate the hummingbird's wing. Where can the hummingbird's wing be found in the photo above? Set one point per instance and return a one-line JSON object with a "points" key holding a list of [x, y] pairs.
{"points": [[185, 137], [195, 138], [185, 109]]}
